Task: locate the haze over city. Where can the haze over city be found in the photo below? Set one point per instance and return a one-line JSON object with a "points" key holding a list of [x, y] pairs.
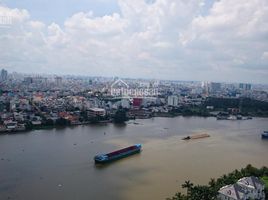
{"points": [[177, 40]]}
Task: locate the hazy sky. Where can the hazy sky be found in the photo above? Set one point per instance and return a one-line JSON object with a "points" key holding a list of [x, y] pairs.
{"points": [[223, 40]]}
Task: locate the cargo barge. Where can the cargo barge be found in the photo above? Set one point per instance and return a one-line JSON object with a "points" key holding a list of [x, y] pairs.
{"points": [[264, 135], [115, 155], [196, 136]]}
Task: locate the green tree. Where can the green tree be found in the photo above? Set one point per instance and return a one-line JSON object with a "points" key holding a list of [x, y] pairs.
{"points": [[188, 185], [49, 122], [62, 122], [178, 196], [28, 125], [120, 116], [84, 116]]}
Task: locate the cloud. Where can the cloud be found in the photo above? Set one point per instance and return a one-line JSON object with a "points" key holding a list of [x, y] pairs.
{"points": [[17, 15], [265, 55], [168, 39], [231, 36], [108, 24]]}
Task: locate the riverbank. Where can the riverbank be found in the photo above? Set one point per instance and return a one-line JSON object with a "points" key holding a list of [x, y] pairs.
{"points": [[29, 127]]}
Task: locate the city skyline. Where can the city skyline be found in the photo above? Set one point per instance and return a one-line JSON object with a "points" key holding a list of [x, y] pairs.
{"points": [[167, 40], [52, 76]]}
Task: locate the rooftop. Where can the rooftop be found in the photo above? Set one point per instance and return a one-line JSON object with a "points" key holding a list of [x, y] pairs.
{"points": [[97, 109], [234, 191]]}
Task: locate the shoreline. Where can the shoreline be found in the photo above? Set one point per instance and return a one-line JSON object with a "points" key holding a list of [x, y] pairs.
{"points": [[112, 122]]}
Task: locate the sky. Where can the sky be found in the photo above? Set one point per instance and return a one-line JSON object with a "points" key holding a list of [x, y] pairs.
{"points": [[203, 40]]}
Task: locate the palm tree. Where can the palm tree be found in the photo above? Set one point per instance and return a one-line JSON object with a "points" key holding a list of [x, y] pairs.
{"points": [[213, 187], [177, 196], [237, 174], [188, 185], [212, 183]]}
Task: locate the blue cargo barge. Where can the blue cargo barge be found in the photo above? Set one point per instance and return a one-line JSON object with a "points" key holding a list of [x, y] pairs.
{"points": [[115, 155], [264, 135]]}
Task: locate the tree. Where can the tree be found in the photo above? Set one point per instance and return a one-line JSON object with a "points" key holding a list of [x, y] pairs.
{"points": [[62, 122], [120, 116], [28, 125], [188, 185], [212, 182], [84, 116], [201, 192], [49, 122], [178, 196]]}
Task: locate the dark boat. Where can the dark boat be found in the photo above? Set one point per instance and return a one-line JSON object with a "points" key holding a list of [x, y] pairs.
{"points": [[198, 136], [264, 135], [186, 138], [115, 155]]}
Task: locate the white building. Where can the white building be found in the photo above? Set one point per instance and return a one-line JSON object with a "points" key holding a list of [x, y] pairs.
{"points": [[254, 187], [232, 192], [245, 188], [94, 112], [173, 100], [10, 125]]}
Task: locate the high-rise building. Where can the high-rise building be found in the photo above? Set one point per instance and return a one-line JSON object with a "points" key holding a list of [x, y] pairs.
{"points": [[58, 81], [205, 86], [244, 86], [215, 87], [28, 80], [173, 100], [3, 75]]}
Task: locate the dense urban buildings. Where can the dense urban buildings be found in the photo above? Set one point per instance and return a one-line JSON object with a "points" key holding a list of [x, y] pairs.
{"points": [[30, 101]]}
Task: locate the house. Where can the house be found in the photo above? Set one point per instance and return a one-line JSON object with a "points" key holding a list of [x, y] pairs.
{"points": [[10, 125], [254, 186], [232, 192], [94, 112], [245, 188]]}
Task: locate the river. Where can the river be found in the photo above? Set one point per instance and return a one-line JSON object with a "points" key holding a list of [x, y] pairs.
{"points": [[58, 163]]}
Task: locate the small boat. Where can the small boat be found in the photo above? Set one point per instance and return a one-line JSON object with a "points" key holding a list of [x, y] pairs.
{"points": [[204, 135], [186, 138], [115, 155], [232, 117], [264, 135], [220, 117], [239, 117]]}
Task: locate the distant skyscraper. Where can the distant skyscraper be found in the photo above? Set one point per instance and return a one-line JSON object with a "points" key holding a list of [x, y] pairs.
{"points": [[39, 80], [205, 86], [215, 87], [3, 75], [58, 81], [244, 86], [173, 100], [28, 80]]}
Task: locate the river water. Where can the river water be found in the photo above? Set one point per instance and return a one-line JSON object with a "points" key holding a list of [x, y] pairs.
{"points": [[58, 163]]}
